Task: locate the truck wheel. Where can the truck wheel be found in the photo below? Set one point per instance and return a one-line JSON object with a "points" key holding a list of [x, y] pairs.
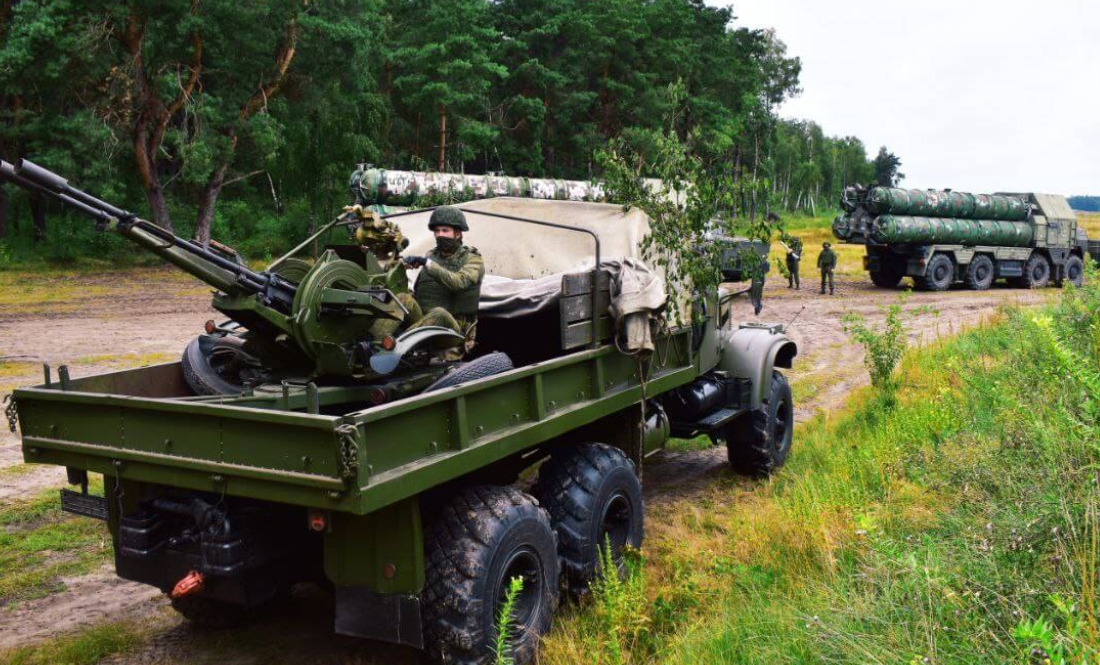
{"points": [[887, 279], [759, 442], [940, 273], [594, 497], [1036, 272], [1074, 270], [482, 539], [890, 272], [210, 613], [205, 375], [478, 368], [980, 273]]}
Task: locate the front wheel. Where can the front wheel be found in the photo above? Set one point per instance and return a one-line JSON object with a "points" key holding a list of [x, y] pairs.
{"points": [[759, 442], [484, 537]]}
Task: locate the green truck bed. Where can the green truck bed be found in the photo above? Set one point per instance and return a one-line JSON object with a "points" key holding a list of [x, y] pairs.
{"points": [[138, 425]]}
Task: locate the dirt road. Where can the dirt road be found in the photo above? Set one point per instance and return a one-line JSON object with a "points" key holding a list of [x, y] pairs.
{"points": [[111, 321]]}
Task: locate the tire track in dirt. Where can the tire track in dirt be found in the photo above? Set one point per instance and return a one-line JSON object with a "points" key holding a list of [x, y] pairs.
{"points": [[827, 360], [156, 319]]}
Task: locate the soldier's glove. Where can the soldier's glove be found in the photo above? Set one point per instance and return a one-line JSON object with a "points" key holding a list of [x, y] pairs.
{"points": [[414, 261]]}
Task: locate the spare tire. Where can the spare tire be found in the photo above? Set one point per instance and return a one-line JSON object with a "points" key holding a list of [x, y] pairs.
{"points": [[478, 368], [201, 376]]}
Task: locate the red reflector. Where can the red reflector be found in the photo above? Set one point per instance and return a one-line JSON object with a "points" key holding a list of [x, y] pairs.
{"points": [[388, 342], [377, 396], [317, 521], [209, 327], [191, 583]]}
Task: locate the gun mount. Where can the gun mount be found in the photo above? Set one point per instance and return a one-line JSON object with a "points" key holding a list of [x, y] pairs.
{"points": [[333, 318]]}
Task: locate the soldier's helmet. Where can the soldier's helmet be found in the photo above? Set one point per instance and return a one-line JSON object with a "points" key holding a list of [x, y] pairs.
{"points": [[827, 245], [448, 216]]}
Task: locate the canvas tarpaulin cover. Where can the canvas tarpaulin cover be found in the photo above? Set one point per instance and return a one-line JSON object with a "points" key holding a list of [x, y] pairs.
{"points": [[524, 263]]}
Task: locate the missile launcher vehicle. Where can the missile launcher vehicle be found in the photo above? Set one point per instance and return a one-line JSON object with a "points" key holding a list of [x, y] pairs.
{"points": [[942, 238], [393, 481]]}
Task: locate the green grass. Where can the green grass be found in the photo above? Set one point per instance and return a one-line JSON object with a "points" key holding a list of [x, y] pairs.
{"points": [[954, 519], [40, 545], [813, 231], [84, 648], [16, 470], [35, 289]]}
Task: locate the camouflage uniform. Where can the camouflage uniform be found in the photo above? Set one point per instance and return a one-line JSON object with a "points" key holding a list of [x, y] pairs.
{"points": [[794, 258], [447, 293], [826, 261]]}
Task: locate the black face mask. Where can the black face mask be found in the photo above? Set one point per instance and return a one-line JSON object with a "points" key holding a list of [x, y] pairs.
{"points": [[447, 245]]}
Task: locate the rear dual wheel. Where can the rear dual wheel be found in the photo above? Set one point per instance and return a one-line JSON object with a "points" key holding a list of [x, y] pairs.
{"points": [[483, 538], [594, 498], [1036, 273], [889, 274]]}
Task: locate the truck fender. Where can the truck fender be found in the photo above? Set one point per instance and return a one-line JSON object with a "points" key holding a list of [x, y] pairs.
{"points": [[752, 352], [385, 362]]}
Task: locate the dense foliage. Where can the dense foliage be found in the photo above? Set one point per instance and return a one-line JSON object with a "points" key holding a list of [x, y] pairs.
{"points": [[244, 119]]}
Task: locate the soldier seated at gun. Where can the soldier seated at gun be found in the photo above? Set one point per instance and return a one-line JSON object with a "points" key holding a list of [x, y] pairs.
{"points": [[448, 288]]}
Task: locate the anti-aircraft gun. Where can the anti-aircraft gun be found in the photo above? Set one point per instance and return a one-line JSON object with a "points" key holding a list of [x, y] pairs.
{"points": [[336, 319], [940, 237]]}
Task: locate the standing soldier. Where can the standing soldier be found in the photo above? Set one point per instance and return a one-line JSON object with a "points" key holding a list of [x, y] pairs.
{"points": [[794, 258], [449, 285], [826, 261]]}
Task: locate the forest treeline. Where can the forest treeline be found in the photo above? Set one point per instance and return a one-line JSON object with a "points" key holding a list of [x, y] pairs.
{"points": [[246, 118], [1085, 203]]}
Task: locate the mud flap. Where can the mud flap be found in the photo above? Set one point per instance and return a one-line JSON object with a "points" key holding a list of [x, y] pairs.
{"points": [[361, 612]]}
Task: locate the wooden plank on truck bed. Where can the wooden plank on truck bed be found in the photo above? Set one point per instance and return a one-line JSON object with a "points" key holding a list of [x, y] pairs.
{"points": [[579, 283], [579, 308]]}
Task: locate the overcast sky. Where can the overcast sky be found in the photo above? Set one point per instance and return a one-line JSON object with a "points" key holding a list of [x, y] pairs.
{"points": [[978, 96]]}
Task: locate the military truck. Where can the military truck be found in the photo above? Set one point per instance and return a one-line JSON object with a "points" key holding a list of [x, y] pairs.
{"points": [[399, 489], [942, 238]]}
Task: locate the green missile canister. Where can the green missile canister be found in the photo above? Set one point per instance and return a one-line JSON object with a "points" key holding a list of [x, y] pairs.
{"points": [[842, 227], [937, 203], [898, 229]]}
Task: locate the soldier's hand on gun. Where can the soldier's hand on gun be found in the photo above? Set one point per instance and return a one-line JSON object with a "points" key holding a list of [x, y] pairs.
{"points": [[414, 262]]}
